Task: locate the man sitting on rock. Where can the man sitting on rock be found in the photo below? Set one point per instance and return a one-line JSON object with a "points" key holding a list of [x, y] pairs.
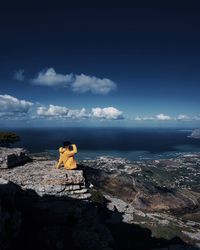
{"points": [[67, 153]]}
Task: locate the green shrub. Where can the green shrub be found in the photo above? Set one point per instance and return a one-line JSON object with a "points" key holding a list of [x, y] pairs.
{"points": [[8, 137], [97, 197]]}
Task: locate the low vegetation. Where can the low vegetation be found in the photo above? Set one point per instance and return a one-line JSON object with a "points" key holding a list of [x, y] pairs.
{"points": [[97, 197], [6, 138]]}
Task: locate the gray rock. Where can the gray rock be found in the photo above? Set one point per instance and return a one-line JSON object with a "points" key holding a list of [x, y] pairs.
{"points": [[10, 157], [3, 182], [41, 176]]}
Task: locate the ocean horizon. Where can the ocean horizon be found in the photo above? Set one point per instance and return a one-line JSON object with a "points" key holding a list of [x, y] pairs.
{"points": [[129, 143]]}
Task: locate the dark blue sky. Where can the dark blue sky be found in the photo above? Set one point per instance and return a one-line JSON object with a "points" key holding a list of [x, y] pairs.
{"points": [[149, 51]]}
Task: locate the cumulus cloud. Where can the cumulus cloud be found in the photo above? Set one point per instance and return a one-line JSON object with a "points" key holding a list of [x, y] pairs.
{"points": [[159, 117], [78, 83], [49, 77], [109, 113], [84, 83], [13, 108], [162, 117], [146, 118], [19, 75], [52, 110], [196, 118], [60, 112], [183, 117]]}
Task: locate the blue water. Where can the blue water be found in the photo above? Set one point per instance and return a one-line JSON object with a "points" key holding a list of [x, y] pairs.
{"points": [[130, 143]]}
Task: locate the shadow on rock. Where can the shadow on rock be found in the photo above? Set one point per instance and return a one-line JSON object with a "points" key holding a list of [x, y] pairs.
{"points": [[29, 221]]}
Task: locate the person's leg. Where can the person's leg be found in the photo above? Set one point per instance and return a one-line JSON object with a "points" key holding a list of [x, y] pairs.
{"points": [[60, 162], [80, 167]]}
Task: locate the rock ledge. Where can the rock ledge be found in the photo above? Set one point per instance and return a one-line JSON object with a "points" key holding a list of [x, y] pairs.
{"points": [[41, 176]]}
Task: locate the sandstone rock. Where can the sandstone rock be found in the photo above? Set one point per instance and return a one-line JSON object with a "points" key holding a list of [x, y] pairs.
{"points": [[10, 157]]}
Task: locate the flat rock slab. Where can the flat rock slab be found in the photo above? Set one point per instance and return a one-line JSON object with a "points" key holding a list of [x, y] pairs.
{"points": [[11, 157], [42, 177]]}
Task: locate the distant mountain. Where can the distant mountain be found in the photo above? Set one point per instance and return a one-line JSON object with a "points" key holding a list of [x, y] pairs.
{"points": [[195, 133]]}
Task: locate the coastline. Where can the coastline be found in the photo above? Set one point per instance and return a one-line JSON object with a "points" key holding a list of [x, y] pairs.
{"points": [[139, 191]]}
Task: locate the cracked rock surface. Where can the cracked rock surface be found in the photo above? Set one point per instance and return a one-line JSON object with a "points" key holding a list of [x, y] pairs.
{"points": [[41, 176]]}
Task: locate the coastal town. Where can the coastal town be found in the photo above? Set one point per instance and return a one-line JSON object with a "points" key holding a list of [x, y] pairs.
{"points": [[162, 195]]}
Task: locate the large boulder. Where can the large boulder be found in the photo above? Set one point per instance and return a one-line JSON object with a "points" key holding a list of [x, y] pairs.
{"points": [[11, 157]]}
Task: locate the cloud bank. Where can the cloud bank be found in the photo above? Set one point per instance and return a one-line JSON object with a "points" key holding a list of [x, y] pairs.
{"points": [[52, 111], [78, 83], [13, 108], [60, 112], [163, 117]]}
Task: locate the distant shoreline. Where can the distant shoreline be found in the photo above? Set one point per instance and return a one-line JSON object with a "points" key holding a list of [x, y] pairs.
{"points": [[47, 155]]}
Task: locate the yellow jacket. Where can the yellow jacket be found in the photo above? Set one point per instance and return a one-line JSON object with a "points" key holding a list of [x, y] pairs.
{"points": [[67, 157]]}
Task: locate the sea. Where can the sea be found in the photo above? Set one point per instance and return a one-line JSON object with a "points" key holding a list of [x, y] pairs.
{"points": [[131, 143]]}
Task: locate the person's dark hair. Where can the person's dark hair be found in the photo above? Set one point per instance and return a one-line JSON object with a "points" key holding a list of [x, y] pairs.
{"points": [[66, 143]]}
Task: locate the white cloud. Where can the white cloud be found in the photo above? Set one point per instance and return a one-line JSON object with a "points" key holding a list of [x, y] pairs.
{"points": [[79, 83], [138, 118], [60, 112], [183, 117], [109, 113], [196, 118], [159, 117], [10, 103], [162, 117], [79, 113], [146, 118], [84, 83], [49, 77], [13, 108], [52, 110], [19, 75]]}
